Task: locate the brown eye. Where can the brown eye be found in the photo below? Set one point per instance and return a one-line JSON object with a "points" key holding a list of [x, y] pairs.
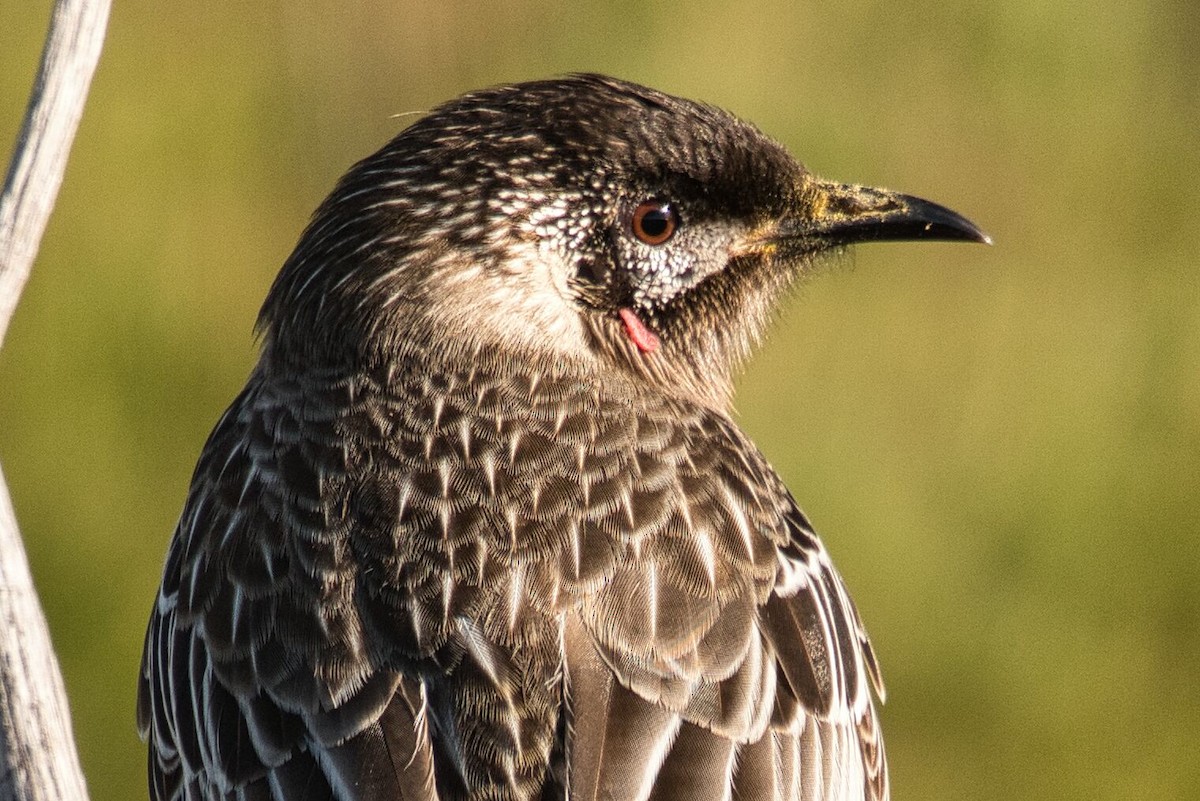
{"points": [[654, 221]]}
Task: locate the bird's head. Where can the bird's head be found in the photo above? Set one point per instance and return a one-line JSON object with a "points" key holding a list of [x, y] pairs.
{"points": [[584, 222]]}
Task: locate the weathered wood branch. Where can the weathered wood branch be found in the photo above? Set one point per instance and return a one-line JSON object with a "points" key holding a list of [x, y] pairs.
{"points": [[38, 758]]}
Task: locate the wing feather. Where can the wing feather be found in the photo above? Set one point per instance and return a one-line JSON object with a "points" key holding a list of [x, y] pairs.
{"points": [[759, 650], [237, 706]]}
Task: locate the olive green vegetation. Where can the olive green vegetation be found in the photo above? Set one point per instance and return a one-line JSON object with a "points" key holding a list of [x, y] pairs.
{"points": [[1001, 445]]}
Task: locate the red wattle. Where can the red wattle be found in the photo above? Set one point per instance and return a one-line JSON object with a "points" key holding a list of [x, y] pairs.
{"points": [[645, 339]]}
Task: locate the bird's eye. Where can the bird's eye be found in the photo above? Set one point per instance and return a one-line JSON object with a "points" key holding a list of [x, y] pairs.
{"points": [[654, 221]]}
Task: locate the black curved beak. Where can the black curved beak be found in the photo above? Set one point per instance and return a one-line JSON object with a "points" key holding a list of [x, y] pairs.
{"points": [[843, 214]]}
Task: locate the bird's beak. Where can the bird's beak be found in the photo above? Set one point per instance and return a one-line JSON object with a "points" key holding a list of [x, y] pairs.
{"points": [[842, 214]]}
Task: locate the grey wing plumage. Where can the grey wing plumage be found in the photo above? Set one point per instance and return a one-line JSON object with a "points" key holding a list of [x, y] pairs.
{"points": [[257, 681], [725, 660]]}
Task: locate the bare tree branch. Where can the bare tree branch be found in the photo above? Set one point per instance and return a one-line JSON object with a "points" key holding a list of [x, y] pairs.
{"points": [[38, 759]]}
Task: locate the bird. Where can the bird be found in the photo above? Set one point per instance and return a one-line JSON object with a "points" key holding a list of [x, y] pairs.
{"points": [[481, 524]]}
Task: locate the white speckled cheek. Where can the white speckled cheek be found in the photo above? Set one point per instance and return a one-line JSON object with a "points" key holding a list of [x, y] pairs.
{"points": [[664, 272]]}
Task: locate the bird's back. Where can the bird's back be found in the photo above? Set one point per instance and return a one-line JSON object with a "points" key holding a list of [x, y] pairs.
{"points": [[474, 584]]}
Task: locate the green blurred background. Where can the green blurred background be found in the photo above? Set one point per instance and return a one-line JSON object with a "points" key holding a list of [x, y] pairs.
{"points": [[1001, 446]]}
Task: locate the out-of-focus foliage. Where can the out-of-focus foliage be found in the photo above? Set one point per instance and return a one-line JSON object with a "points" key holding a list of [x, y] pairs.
{"points": [[1001, 446]]}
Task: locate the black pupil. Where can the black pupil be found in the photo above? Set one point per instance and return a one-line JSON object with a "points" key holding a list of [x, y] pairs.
{"points": [[656, 222]]}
